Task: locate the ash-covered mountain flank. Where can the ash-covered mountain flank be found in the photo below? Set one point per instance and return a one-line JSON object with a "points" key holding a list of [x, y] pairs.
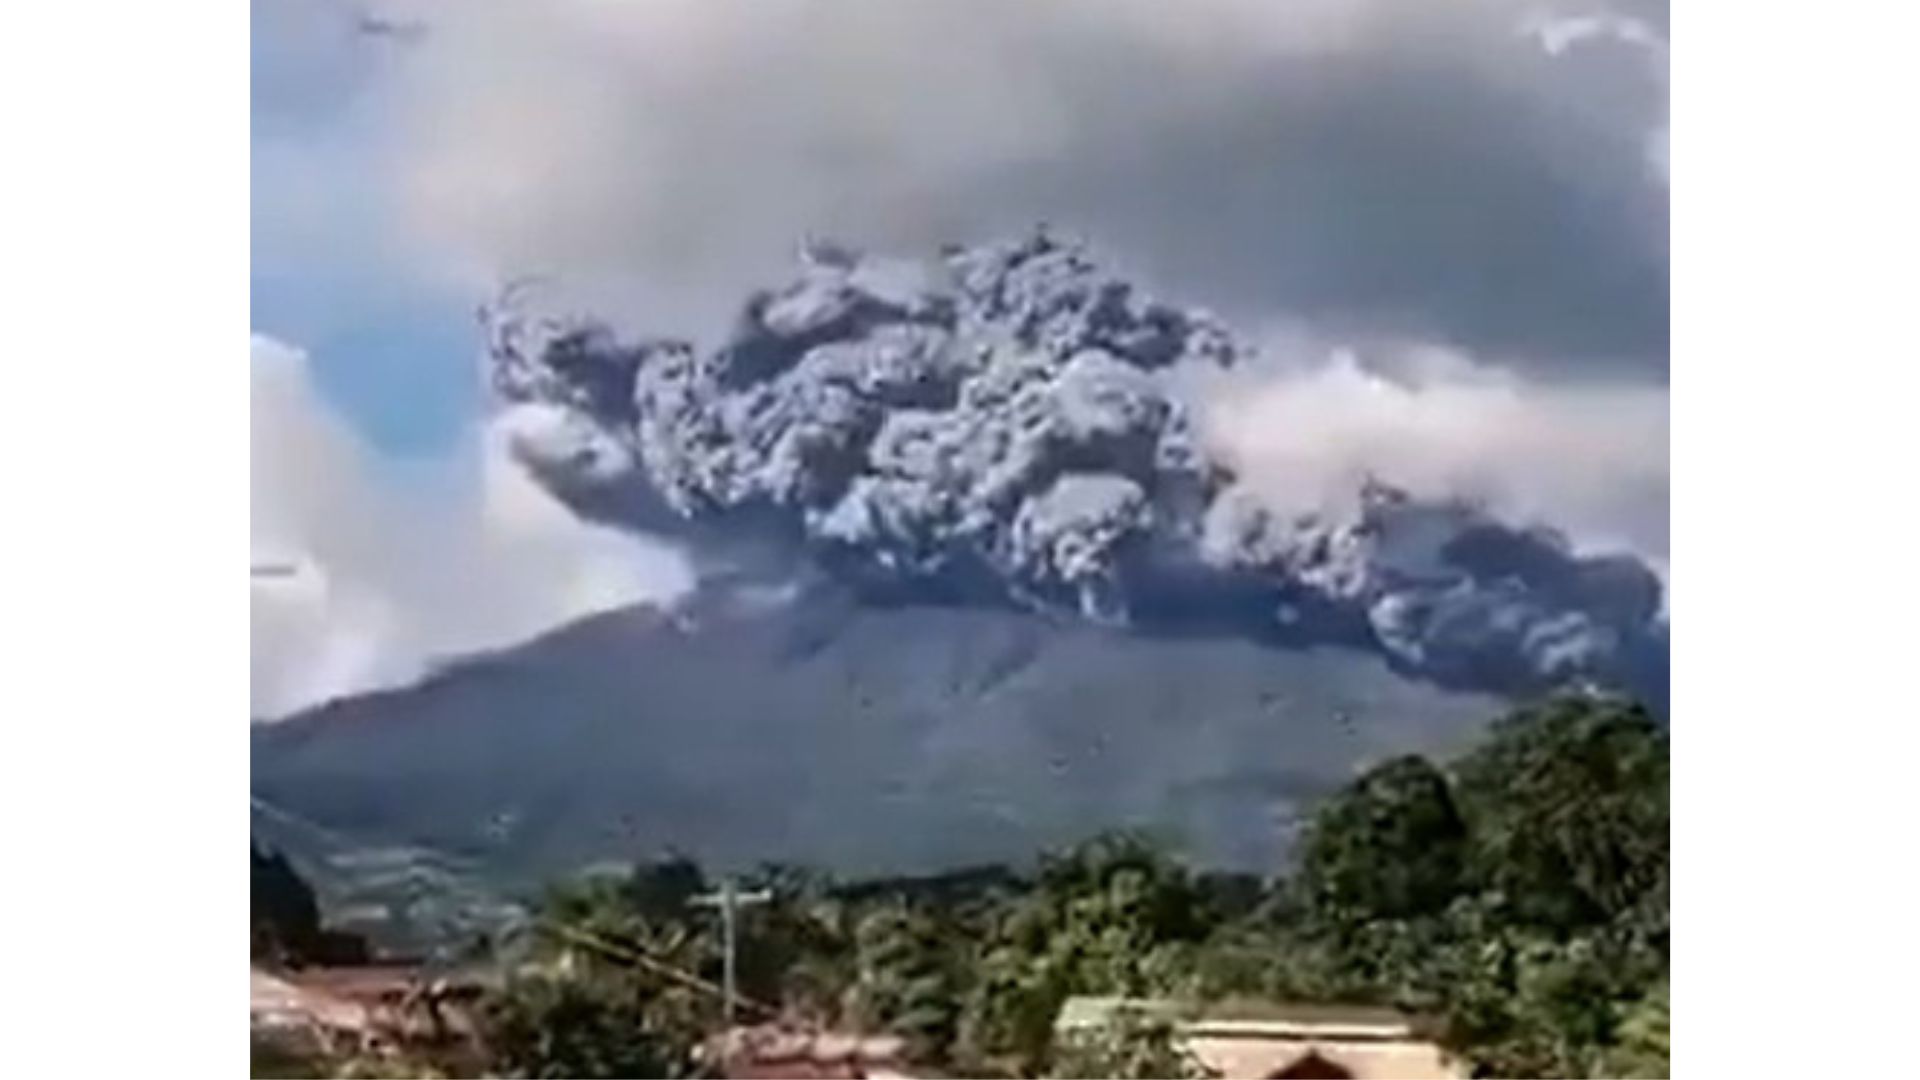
{"points": [[1004, 427]]}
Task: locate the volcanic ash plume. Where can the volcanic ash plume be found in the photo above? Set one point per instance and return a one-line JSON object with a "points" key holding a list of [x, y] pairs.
{"points": [[1003, 427]]}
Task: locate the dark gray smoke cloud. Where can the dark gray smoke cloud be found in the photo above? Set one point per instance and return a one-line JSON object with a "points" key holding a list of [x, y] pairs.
{"points": [[1006, 426]]}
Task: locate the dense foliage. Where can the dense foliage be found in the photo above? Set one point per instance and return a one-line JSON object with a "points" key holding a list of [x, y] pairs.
{"points": [[1519, 898], [1515, 897], [574, 1024]]}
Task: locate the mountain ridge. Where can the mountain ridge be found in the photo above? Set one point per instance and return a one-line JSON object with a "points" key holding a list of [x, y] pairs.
{"points": [[863, 738]]}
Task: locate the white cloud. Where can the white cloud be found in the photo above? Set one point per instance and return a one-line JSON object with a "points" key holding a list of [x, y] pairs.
{"points": [[400, 565], [1558, 33], [1589, 460]]}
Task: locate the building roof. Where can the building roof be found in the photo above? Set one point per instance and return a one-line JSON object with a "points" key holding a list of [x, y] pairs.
{"points": [[1249, 1016], [1251, 1037], [347, 998], [278, 1003], [383, 981]]}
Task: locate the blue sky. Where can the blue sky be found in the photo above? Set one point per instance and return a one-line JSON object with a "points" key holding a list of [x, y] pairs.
{"points": [[391, 349], [396, 358]]}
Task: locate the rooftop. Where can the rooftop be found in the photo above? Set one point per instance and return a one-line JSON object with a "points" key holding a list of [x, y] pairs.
{"points": [[278, 1003], [1250, 1016]]}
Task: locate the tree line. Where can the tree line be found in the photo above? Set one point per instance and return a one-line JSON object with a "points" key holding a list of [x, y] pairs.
{"points": [[1515, 898]]}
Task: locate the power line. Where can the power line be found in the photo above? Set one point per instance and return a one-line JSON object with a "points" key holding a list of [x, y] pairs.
{"points": [[640, 957]]}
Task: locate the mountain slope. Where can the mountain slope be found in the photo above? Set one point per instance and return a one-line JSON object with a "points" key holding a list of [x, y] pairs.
{"points": [[852, 736], [404, 899]]}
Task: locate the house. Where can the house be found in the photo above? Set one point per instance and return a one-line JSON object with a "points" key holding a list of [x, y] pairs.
{"points": [[402, 1003], [295, 1022], [278, 1005], [1261, 1040], [363, 1008]]}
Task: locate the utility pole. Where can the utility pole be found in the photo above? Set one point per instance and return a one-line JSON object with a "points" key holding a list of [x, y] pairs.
{"points": [[729, 899]]}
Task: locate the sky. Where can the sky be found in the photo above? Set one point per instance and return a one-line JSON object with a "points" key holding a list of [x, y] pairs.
{"points": [[1361, 185]]}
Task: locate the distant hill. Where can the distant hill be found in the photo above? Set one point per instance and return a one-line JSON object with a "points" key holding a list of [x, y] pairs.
{"points": [[405, 900], [858, 738]]}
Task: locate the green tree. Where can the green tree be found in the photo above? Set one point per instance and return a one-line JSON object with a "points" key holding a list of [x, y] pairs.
{"points": [[797, 950], [583, 923], [1523, 902], [1114, 916], [1538, 1006], [587, 1025], [908, 982], [613, 982], [1646, 1037], [1392, 845], [1567, 806]]}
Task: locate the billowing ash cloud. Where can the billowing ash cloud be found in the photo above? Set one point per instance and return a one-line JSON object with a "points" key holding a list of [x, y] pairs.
{"points": [[1008, 426]]}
